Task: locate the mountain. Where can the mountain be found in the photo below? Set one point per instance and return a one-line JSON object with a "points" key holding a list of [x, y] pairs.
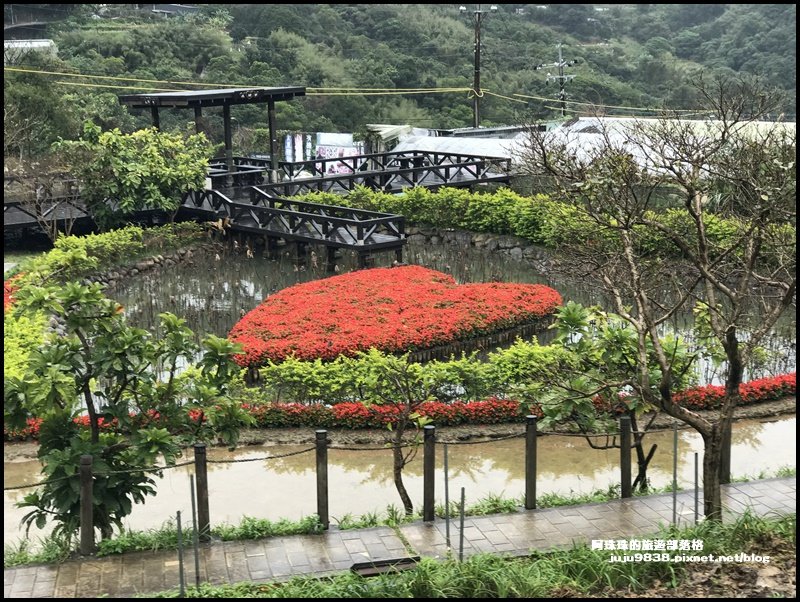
{"points": [[392, 63]]}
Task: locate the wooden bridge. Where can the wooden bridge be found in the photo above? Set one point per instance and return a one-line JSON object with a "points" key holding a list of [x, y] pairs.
{"points": [[304, 223], [245, 199]]}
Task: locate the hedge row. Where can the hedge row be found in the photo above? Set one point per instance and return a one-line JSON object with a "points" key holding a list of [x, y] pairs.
{"points": [[356, 415], [539, 218]]}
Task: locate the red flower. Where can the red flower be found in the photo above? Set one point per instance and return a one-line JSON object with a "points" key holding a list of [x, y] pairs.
{"points": [[8, 291], [391, 309]]}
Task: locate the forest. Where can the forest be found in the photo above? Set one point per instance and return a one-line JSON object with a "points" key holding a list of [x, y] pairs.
{"points": [[389, 63]]}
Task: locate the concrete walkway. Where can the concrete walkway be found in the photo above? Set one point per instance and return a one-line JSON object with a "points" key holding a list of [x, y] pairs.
{"points": [[279, 558]]}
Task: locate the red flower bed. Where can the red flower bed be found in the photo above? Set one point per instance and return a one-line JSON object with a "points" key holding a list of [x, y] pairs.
{"points": [[709, 397], [356, 415], [392, 309], [8, 291]]}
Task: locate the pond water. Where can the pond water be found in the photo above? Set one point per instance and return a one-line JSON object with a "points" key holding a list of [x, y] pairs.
{"points": [[212, 294], [361, 481]]}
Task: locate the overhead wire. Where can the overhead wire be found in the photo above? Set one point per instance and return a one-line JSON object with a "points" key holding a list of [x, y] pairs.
{"points": [[332, 91], [352, 90]]}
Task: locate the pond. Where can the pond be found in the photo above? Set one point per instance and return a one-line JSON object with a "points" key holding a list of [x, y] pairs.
{"points": [[361, 481], [214, 290]]}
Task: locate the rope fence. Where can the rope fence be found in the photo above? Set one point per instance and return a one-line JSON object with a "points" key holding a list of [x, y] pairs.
{"points": [[322, 445]]}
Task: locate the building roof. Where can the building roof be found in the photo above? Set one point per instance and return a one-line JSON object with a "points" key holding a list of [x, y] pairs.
{"points": [[210, 98], [486, 147]]}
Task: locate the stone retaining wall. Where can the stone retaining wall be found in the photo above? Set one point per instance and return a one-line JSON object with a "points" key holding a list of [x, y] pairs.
{"points": [[514, 247], [111, 277]]}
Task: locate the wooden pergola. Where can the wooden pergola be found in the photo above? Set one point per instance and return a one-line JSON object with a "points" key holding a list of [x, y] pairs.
{"points": [[225, 98]]}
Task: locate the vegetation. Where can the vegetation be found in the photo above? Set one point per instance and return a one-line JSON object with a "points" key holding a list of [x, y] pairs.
{"points": [[638, 56], [397, 309], [127, 383], [491, 410], [726, 168], [122, 174]]}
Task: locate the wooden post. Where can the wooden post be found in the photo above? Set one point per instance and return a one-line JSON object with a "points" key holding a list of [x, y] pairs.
{"points": [[330, 263], [530, 462], [625, 456], [322, 477], [87, 507], [201, 470], [428, 472], [273, 142], [198, 120], [226, 117], [154, 115]]}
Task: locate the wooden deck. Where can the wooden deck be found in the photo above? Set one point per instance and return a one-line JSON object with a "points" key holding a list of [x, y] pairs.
{"points": [[248, 202]]}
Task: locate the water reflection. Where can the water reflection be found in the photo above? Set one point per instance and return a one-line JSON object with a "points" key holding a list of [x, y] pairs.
{"points": [[212, 294], [361, 481]]}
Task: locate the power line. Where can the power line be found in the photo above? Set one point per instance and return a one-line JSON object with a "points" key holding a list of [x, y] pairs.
{"points": [[562, 79], [344, 91], [314, 91]]}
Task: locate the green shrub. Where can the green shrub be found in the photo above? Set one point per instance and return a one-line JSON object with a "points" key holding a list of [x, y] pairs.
{"points": [[22, 333]]}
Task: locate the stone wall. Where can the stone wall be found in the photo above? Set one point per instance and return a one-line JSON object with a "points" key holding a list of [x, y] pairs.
{"points": [[110, 278], [504, 244]]}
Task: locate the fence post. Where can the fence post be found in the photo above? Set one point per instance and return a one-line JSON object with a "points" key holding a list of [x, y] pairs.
{"points": [[625, 455], [428, 472], [87, 508], [181, 574], [530, 462], [201, 471], [322, 477]]}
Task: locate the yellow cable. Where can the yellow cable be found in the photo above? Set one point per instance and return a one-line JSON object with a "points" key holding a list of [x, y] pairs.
{"points": [[130, 79], [206, 84], [575, 102], [440, 91], [118, 87], [505, 97]]}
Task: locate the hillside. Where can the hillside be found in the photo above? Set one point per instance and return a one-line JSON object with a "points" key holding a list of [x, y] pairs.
{"points": [[391, 63]]}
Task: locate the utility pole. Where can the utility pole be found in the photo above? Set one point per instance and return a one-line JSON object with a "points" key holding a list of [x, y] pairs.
{"points": [[477, 18], [562, 79]]}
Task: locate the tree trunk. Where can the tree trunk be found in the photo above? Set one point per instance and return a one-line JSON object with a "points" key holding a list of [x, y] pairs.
{"points": [[712, 493], [642, 460], [733, 382], [399, 464], [725, 454]]}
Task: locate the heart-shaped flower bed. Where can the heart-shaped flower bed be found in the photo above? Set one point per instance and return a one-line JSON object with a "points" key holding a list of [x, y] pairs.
{"points": [[392, 309]]}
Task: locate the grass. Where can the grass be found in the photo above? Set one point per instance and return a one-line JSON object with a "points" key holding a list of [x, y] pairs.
{"points": [[562, 573], [49, 551], [21, 258]]}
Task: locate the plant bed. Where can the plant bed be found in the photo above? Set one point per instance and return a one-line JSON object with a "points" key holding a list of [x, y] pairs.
{"points": [[395, 310]]}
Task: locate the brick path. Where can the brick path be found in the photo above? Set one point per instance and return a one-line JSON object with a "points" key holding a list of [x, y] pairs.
{"points": [[334, 551]]}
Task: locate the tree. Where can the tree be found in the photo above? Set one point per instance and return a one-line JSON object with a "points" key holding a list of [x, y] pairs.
{"points": [[604, 349], [398, 382], [46, 192], [725, 245], [128, 389], [121, 174]]}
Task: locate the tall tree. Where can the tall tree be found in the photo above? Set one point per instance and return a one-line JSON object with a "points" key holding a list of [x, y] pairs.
{"points": [[129, 390], [123, 173], [726, 245]]}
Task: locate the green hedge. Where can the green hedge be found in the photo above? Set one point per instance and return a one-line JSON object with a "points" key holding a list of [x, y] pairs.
{"points": [[543, 220], [75, 257], [466, 378]]}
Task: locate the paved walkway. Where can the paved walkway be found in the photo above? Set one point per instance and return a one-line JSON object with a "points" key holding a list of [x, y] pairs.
{"points": [[334, 551]]}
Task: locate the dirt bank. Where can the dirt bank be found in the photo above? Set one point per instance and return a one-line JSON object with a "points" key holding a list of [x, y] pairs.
{"points": [[769, 410]]}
